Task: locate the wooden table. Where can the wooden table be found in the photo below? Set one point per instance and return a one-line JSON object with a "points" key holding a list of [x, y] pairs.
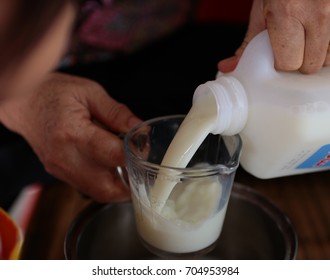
{"points": [[304, 198]]}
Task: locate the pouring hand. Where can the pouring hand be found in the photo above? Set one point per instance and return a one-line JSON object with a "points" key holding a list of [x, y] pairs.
{"points": [[299, 33]]}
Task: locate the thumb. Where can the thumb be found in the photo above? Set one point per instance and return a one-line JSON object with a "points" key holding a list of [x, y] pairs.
{"points": [[110, 113]]}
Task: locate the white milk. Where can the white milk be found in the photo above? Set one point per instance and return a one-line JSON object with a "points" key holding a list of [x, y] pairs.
{"points": [[298, 141], [196, 126], [189, 221], [184, 217]]}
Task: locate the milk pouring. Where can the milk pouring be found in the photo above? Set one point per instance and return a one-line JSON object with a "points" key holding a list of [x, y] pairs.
{"points": [[183, 217], [282, 117], [180, 211], [198, 123]]}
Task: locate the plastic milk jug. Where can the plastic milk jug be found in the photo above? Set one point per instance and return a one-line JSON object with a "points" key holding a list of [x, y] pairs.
{"points": [[283, 118]]}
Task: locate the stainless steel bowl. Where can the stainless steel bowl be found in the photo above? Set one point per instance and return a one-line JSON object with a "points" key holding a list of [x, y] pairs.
{"points": [[254, 228]]}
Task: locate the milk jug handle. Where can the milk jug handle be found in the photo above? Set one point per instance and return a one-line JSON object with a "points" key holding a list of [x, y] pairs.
{"points": [[258, 53]]}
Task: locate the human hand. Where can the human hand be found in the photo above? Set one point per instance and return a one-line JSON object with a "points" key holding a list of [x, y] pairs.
{"points": [[73, 125], [299, 33]]}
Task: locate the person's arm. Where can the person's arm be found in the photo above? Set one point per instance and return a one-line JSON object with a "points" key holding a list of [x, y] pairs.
{"points": [[73, 125]]}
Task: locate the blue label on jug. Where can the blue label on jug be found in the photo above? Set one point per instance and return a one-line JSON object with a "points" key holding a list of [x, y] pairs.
{"points": [[321, 158]]}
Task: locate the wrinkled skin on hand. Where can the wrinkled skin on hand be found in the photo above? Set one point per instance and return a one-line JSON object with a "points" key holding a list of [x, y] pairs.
{"points": [[299, 31], [73, 125]]}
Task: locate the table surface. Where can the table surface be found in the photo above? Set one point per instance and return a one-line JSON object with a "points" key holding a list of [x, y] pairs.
{"points": [[303, 198]]}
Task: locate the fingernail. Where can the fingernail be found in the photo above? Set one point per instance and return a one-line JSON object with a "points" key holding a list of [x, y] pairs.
{"points": [[228, 64]]}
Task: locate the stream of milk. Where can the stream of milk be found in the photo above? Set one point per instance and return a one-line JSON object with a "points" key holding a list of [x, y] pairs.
{"points": [[183, 217], [192, 132]]}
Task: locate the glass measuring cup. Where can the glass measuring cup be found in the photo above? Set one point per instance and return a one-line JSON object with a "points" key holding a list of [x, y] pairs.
{"points": [[191, 217]]}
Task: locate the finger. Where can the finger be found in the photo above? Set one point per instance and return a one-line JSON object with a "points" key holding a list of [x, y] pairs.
{"points": [[110, 188], [101, 146], [327, 58], [111, 113], [102, 185], [228, 64], [100, 182], [287, 36], [90, 169], [315, 54], [316, 48]]}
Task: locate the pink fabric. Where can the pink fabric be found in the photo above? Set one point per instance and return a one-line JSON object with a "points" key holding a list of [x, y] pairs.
{"points": [[108, 27], [127, 25]]}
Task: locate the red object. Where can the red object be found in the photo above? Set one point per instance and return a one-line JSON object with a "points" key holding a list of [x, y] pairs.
{"points": [[234, 11], [10, 237]]}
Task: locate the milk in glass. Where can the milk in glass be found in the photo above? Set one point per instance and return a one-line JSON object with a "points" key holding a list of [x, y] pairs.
{"points": [[183, 217]]}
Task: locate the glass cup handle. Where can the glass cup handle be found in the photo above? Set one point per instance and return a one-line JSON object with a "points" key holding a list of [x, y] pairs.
{"points": [[122, 172]]}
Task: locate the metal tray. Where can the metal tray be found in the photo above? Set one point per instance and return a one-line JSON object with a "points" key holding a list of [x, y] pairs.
{"points": [[254, 228]]}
